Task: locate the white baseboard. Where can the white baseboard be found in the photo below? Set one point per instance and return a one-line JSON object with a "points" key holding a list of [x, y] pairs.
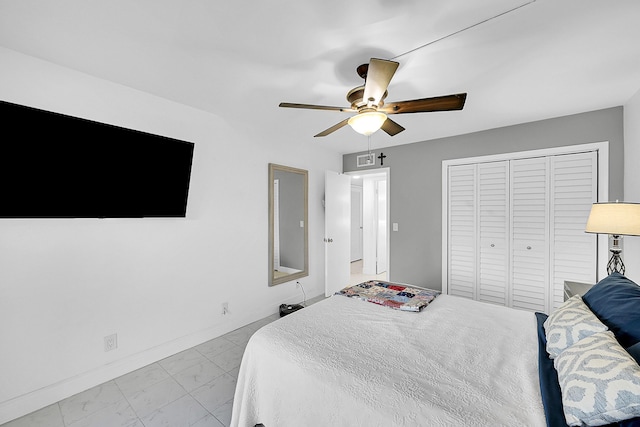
{"points": [[25, 404]]}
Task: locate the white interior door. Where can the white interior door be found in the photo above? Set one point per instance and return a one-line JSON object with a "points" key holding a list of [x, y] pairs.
{"points": [[356, 223], [337, 226], [369, 228], [381, 211]]}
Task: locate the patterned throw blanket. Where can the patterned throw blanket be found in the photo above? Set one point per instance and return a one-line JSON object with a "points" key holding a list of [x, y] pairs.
{"points": [[393, 295]]}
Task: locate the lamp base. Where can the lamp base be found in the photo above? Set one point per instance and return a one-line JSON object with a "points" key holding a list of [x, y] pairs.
{"points": [[615, 263]]}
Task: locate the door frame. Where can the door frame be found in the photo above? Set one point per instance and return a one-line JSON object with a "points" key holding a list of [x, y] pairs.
{"points": [[387, 172], [602, 148]]}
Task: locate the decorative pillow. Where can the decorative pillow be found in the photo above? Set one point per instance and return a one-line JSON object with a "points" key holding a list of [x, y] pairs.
{"points": [[616, 301], [600, 381], [570, 323]]}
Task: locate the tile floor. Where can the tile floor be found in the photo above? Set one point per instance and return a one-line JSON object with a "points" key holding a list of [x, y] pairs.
{"points": [[358, 277], [193, 388]]}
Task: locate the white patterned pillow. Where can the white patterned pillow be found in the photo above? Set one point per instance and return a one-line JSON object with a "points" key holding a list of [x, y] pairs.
{"points": [[600, 381], [570, 323]]}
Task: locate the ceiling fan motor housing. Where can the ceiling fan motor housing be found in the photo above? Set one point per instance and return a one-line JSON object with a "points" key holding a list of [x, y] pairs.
{"points": [[354, 96]]}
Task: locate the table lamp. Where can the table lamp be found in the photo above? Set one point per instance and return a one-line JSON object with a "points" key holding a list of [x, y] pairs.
{"points": [[616, 219]]}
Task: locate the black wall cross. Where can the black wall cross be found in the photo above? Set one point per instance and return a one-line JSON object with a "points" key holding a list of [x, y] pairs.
{"points": [[382, 157]]}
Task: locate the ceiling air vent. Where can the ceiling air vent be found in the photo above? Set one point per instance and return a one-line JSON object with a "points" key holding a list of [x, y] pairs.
{"points": [[366, 160]]}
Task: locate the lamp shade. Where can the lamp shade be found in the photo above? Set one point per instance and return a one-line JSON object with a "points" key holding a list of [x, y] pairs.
{"points": [[621, 219], [368, 122]]}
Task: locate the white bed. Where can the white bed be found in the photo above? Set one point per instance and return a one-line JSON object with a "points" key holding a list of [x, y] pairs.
{"points": [[348, 362]]}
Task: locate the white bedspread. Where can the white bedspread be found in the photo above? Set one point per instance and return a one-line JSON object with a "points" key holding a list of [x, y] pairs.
{"points": [[346, 362]]}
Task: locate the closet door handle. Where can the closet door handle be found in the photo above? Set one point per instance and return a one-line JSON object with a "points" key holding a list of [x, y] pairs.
{"points": [[528, 247], [493, 246]]}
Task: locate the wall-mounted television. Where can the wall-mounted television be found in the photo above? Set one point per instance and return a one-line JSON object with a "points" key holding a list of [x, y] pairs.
{"points": [[57, 166]]}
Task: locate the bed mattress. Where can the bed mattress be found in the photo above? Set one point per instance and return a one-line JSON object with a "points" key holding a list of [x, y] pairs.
{"points": [[348, 362]]}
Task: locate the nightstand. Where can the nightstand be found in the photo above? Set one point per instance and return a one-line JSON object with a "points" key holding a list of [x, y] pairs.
{"points": [[575, 288]]}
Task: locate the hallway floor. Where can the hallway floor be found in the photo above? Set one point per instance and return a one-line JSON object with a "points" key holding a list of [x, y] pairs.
{"points": [[358, 277]]}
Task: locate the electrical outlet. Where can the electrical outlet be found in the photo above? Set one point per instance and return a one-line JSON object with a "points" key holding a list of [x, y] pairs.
{"points": [[110, 342], [225, 308]]}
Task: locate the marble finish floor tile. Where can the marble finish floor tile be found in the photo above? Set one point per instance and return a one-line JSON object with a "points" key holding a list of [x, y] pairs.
{"points": [[223, 413], [142, 378], [181, 361], [184, 412], [263, 322], [119, 414], [210, 421], [89, 402], [216, 393], [240, 336], [193, 388], [154, 397], [229, 359], [234, 372], [48, 416], [215, 346], [198, 375]]}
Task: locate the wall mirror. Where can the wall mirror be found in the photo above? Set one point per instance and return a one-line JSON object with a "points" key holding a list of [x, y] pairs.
{"points": [[288, 228]]}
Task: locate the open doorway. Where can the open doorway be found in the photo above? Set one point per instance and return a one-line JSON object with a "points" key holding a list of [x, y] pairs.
{"points": [[369, 225]]}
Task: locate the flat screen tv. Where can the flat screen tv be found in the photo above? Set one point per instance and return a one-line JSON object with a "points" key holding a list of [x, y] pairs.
{"points": [[57, 166]]}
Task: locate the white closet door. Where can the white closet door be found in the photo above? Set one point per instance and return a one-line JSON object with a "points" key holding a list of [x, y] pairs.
{"points": [[462, 231], [574, 187], [493, 224], [530, 234]]}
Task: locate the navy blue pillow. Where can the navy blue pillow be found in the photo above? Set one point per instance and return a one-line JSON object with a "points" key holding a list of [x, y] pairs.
{"points": [[616, 302], [549, 385], [634, 351]]}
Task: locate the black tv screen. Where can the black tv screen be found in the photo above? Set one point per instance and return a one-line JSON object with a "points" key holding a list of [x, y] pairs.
{"points": [[57, 166]]}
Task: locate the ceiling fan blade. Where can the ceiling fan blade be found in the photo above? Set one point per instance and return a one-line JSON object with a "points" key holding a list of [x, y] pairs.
{"points": [[315, 107], [438, 103], [391, 127], [379, 75], [332, 128]]}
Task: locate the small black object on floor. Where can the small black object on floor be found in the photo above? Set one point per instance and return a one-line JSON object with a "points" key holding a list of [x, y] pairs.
{"points": [[289, 308]]}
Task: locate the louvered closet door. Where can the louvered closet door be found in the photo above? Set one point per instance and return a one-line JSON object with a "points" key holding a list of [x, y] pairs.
{"points": [[574, 188], [462, 231], [530, 234], [493, 224]]}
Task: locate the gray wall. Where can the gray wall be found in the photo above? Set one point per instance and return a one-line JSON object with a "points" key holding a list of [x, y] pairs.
{"points": [[416, 180]]}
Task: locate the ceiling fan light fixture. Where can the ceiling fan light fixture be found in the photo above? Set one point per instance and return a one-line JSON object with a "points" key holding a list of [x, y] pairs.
{"points": [[368, 122]]}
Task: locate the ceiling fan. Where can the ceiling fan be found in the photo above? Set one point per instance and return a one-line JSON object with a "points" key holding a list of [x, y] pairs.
{"points": [[368, 102]]}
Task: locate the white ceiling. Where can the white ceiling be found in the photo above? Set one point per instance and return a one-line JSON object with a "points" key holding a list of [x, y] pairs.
{"points": [[518, 60]]}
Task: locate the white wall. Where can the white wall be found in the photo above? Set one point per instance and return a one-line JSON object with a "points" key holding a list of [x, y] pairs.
{"points": [[157, 283], [631, 248]]}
